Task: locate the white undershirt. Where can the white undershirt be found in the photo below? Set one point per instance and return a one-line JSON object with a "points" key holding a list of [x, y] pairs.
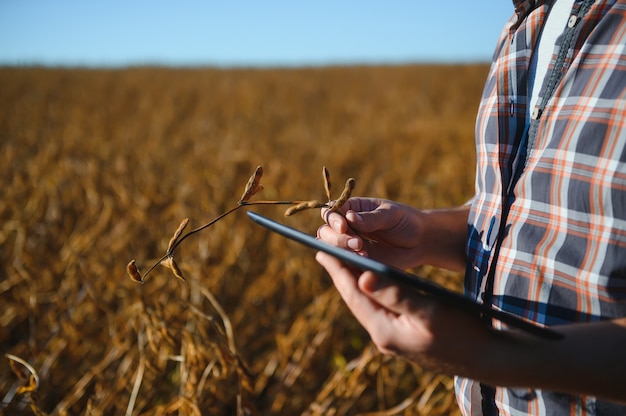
{"points": [[552, 29]]}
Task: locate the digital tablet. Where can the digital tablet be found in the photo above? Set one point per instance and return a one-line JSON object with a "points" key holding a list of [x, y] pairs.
{"points": [[419, 283]]}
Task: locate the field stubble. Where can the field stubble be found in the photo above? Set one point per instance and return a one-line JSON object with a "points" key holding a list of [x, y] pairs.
{"points": [[99, 166]]}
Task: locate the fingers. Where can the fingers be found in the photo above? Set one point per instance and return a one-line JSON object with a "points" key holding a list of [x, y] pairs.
{"points": [[363, 214], [336, 221], [382, 291], [382, 308], [371, 221], [336, 232], [354, 204], [395, 297], [346, 282], [349, 204], [347, 241]]}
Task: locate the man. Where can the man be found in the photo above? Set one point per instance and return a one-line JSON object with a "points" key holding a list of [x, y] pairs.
{"points": [[543, 238]]}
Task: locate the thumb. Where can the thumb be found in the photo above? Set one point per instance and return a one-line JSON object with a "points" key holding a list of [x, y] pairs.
{"points": [[387, 293], [368, 221]]}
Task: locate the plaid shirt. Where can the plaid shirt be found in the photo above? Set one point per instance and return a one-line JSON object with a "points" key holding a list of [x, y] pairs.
{"points": [[547, 228]]}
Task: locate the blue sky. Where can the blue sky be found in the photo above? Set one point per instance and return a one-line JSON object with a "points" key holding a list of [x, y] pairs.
{"points": [[248, 33]]}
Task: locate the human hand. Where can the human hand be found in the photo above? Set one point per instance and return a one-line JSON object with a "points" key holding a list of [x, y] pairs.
{"points": [[399, 319], [393, 230], [404, 323]]}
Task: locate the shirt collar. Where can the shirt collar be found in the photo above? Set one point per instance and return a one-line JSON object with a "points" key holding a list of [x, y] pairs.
{"points": [[523, 7]]}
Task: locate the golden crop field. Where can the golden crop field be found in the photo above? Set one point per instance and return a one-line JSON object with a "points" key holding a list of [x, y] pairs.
{"points": [[99, 166]]}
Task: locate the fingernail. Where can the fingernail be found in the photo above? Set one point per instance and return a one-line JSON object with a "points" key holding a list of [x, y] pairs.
{"points": [[353, 243]]}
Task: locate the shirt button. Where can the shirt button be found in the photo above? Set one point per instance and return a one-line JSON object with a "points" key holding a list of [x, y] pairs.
{"points": [[535, 114], [572, 21]]}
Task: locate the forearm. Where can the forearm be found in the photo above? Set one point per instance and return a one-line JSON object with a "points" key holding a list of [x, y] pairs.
{"points": [[445, 237], [588, 360]]}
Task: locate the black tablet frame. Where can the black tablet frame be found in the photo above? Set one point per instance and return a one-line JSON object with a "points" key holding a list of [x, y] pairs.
{"points": [[423, 285]]}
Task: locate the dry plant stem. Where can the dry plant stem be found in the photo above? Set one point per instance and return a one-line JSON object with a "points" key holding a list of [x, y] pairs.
{"points": [[31, 383], [173, 247], [196, 230], [27, 366], [140, 371], [230, 211], [228, 328], [252, 187], [241, 204]]}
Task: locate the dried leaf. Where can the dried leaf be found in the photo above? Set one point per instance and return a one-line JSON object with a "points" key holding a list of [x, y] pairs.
{"points": [[253, 186], [133, 272], [177, 272], [170, 263], [177, 234], [30, 387], [167, 262]]}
